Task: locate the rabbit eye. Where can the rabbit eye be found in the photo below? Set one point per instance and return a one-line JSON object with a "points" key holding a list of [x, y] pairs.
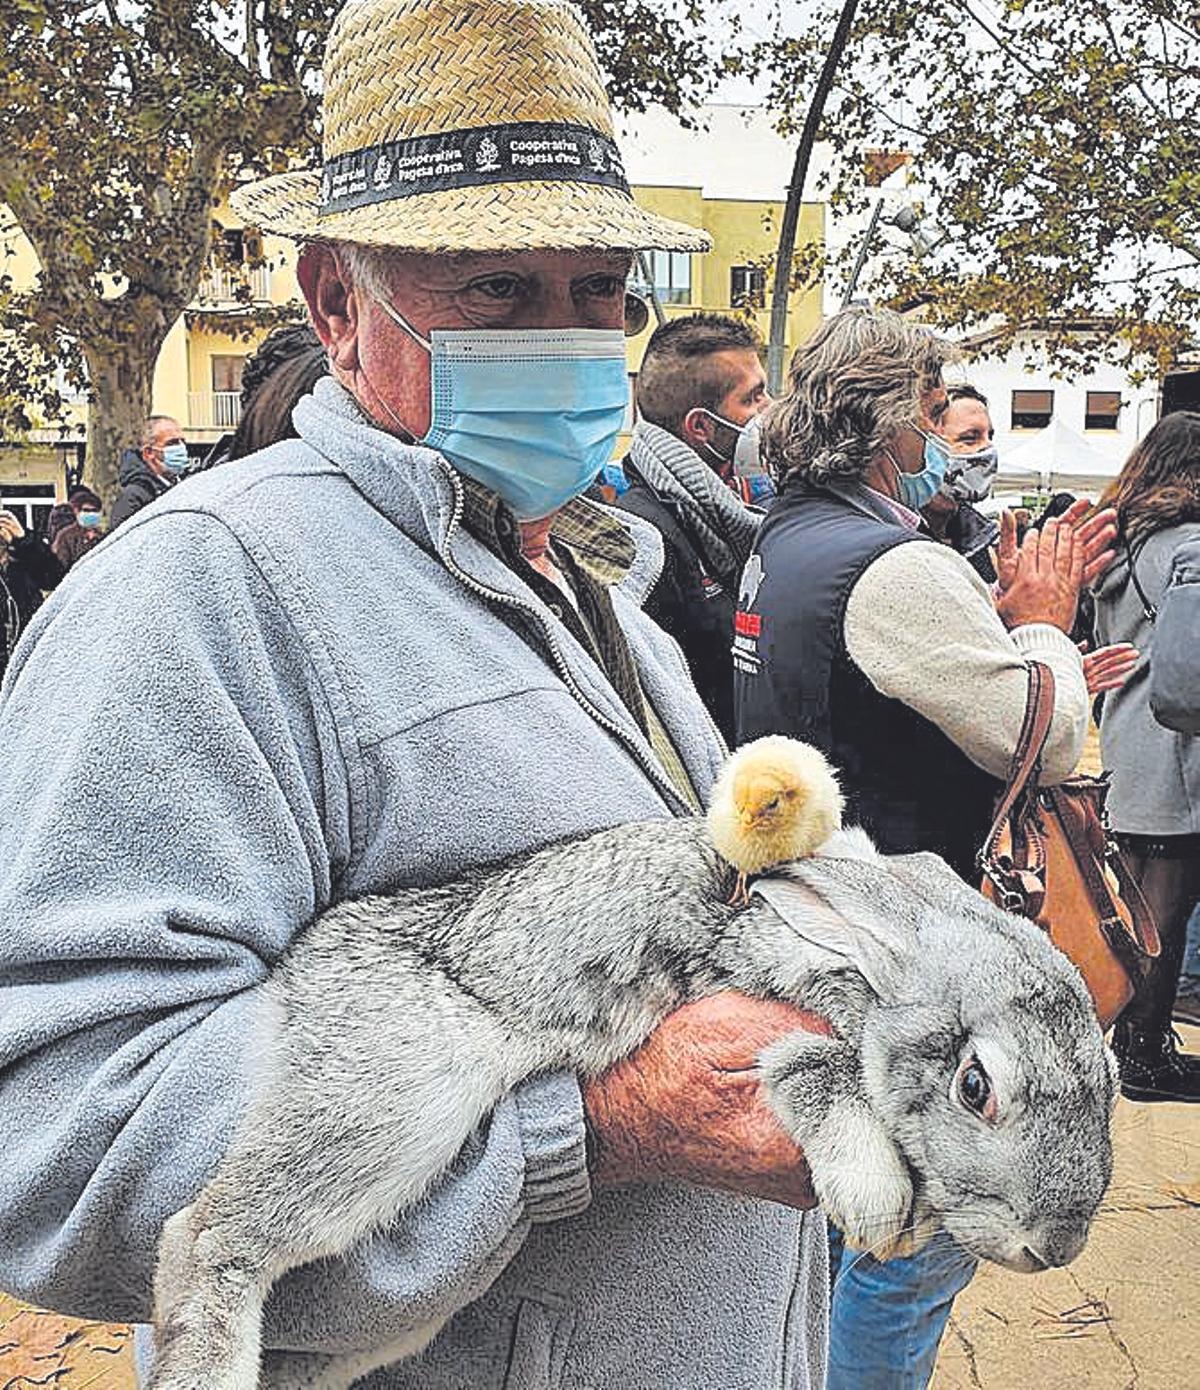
{"points": [[975, 1089]]}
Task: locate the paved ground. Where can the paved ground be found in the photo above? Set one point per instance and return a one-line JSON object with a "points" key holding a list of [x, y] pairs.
{"points": [[1125, 1316]]}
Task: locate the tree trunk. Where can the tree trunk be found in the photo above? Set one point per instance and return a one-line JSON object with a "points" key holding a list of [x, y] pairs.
{"points": [[121, 380]]}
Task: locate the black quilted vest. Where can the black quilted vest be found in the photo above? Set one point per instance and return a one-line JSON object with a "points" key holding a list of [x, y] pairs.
{"points": [[906, 783]]}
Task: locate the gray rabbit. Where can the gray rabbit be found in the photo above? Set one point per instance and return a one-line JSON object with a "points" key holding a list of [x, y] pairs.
{"points": [[967, 1084]]}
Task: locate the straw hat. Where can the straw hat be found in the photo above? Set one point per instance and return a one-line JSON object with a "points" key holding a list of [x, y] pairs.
{"points": [[464, 125]]}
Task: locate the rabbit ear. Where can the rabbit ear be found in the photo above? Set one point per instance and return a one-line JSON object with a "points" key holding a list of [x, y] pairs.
{"points": [[877, 913]]}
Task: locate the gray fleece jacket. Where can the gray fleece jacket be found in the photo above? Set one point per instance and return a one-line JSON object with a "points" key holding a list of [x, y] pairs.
{"points": [[301, 688], [1155, 770]]}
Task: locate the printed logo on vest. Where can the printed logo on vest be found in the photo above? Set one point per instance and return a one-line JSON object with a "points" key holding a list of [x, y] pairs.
{"points": [[752, 578]]}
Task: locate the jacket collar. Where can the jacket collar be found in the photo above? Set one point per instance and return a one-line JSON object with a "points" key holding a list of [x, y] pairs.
{"points": [[420, 492]]}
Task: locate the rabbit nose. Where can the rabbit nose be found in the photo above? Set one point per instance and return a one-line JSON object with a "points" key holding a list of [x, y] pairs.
{"points": [[1057, 1246]]}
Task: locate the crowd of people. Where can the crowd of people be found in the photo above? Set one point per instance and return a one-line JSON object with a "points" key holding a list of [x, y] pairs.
{"points": [[394, 637]]}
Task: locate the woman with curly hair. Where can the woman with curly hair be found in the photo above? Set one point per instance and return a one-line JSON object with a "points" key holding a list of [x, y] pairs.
{"points": [[1154, 805]]}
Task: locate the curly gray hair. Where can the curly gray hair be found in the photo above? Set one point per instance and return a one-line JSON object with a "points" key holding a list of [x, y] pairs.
{"points": [[851, 387]]}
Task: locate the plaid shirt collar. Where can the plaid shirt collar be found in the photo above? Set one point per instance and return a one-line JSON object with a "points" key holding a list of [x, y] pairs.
{"points": [[597, 542]]}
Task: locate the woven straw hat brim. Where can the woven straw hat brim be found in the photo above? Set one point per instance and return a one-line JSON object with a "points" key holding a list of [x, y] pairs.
{"points": [[546, 216]]}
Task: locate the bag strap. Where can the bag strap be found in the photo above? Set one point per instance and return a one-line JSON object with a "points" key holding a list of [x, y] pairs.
{"points": [[1149, 611], [1027, 757]]}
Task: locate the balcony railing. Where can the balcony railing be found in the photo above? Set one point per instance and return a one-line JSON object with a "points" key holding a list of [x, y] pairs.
{"points": [[226, 287], [214, 410]]}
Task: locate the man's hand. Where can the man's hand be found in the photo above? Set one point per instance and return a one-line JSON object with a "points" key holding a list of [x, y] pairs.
{"points": [[1045, 578], [1108, 668], [1096, 534], [688, 1104], [10, 528]]}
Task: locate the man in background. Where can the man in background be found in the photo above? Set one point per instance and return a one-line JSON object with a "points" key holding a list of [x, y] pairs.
{"points": [[85, 530], [150, 470], [700, 392]]}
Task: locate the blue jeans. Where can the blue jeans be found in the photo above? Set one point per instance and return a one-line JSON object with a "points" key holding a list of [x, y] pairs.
{"points": [[886, 1320]]}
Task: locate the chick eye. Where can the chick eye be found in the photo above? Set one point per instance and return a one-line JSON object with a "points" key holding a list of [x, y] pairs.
{"points": [[771, 805], [975, 1089]]}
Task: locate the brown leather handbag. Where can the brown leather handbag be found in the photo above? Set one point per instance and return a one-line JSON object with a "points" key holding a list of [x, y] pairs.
{"points": [[1049, 857]]}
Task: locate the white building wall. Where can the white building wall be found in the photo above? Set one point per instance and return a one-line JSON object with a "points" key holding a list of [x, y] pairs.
{"points": [[1025, 368]]}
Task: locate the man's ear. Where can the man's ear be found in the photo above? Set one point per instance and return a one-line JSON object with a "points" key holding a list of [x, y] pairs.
{"points": [[698, 428], [332, 304]]}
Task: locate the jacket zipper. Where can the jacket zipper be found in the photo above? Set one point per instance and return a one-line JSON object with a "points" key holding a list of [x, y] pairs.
{"points": [[560, 662]]}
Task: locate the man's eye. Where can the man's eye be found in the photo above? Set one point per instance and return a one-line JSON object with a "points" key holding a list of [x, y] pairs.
{"points": [[603, 286], [497, 286]]}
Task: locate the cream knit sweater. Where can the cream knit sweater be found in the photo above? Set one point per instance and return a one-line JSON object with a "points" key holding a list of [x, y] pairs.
{"points": [[922, 627]]}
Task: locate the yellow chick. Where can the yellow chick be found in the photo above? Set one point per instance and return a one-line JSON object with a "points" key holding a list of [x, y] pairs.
{"points": [[776, 800]]}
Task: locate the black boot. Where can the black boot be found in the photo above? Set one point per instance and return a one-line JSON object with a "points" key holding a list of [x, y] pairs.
{"points": [[1152, 1067]]}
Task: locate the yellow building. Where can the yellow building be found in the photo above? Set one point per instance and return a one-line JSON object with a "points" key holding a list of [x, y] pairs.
{"points": [[198, 375]]}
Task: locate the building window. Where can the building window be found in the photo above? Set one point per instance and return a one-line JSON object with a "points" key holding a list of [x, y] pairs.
{"points": [[671, 272], [1102, 411], [747, 286], [1031, 410]]}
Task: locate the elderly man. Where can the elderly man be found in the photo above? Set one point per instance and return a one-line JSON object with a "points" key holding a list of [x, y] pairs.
{"points": [[891, 655], [700, 389], [147, 472], [386, 652]]}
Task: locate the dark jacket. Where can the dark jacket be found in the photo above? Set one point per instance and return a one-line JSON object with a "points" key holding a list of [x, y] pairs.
{"points": [[31, 569], [905, 782], [139, 485], [73, 541], [688, 601]]}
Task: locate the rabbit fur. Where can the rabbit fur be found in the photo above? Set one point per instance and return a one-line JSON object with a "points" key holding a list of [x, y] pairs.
{"points": [[393, 1025]]}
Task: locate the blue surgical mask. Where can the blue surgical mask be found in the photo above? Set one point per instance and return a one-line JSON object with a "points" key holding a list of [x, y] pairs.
{"points": [[90, 520], [175, 457], [532, 414], [918, 489]]}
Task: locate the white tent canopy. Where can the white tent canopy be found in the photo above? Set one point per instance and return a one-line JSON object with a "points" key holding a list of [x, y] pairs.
{"points": [[1059, 456]]}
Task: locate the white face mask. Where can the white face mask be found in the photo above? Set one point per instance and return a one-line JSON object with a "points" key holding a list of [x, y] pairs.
{"points": [[745, 458], [969, 477]]}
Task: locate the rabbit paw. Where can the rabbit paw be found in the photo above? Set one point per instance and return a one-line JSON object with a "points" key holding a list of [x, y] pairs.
{"points": [[862, 1182]]}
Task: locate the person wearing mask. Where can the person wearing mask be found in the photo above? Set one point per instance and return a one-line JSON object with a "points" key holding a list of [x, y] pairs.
{"points": [[147, 473], [1154, 799], [383, 654], [85, 531], [700, 392], [971, 462], [971, 465], [28, 569], [858, 633]]}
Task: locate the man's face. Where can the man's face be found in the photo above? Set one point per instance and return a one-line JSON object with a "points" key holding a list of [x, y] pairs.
{"points": [[966, 426], [165, 432], [389, 372], [745, 397], [909, 449]]}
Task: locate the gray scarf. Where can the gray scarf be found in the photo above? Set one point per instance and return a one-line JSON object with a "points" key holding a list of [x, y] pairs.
{"points": [[719, 521]]}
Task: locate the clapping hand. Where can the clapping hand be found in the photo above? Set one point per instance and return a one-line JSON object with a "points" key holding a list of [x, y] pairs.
{"points": [[1108, 668], [1095, 534]]}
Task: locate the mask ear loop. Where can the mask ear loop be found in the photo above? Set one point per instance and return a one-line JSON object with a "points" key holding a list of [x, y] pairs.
{"points": [[712, 415], [401, 322]]}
